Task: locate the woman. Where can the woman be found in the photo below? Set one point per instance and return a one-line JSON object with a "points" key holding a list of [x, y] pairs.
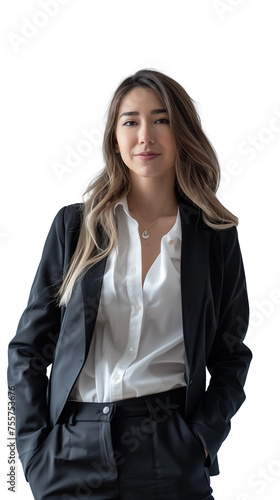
{"points": [[151, 287]]}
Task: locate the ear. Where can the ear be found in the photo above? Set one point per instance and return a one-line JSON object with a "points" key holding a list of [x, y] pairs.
{"points": [[117, 149]]}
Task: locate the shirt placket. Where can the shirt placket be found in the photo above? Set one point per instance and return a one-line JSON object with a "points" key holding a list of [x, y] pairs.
{"points": [[134, 297]]}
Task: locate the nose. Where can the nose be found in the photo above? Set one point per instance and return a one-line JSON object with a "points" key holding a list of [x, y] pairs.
{"points": [[146, 135]]}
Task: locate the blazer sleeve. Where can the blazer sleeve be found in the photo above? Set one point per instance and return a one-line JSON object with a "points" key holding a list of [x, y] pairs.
{"points": [[31, 351], [229, 358]]}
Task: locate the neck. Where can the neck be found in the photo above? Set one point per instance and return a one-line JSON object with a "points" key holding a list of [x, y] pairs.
{"points": [[151, 198]]}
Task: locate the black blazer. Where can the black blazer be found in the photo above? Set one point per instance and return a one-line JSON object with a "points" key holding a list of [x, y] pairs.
{"points": [[215, 318]]}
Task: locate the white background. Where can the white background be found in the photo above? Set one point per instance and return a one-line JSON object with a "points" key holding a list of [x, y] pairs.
{"points": [[59, 70]]}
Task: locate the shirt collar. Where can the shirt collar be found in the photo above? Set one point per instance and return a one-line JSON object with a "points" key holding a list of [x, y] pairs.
{"points": [[173, 234], [123, 203], [176, 231]]}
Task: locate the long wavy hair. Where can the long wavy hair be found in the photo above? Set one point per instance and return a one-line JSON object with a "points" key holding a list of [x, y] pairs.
{"points": [[197, 175]]}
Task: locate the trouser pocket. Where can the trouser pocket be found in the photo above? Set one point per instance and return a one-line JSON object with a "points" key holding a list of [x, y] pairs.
{"points": [[47, 470], [180, 459]]}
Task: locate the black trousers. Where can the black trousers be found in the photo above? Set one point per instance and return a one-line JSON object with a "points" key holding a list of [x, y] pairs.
{"points": [[135, 449]]}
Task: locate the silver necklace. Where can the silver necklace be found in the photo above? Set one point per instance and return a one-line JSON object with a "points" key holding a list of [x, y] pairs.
{"points": [[146, 233]]}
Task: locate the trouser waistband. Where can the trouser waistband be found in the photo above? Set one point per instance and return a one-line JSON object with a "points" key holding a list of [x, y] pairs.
{"points": [[152, 404]]}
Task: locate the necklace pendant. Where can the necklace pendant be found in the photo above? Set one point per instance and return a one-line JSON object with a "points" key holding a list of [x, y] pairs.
{"points": [[145, 234]]}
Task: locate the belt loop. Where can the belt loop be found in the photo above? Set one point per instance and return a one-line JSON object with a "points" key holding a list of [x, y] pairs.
{"points": [[150, 407], [113, 410], [72, 419]]}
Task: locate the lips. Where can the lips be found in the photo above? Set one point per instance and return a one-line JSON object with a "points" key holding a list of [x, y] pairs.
{"points": [[147, 155]]}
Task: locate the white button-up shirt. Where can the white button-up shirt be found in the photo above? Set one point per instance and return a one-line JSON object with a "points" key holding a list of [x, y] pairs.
{"points": [[137, 346]]}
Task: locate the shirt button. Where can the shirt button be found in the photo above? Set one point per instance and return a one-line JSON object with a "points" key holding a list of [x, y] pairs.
{"points": [[117, 376], [106, 410], [170, 242], [138, 308], [131, 349]]}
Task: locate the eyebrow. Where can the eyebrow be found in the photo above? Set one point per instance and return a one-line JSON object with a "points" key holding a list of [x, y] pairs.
{"points": [[136, 113]]}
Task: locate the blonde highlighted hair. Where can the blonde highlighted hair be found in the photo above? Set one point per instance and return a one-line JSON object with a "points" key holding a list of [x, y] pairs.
{"points": [[197, 175]]}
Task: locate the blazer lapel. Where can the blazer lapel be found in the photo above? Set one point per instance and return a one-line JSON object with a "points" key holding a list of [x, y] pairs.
{"points": [[193, 278], [76, 334], [91, 290]]}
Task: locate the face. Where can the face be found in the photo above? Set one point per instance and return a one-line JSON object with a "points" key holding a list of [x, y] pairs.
{"points": [[144, 138]]}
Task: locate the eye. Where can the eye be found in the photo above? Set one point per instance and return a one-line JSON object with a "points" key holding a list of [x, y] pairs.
{"points": [[129, 123], [163, 120]]}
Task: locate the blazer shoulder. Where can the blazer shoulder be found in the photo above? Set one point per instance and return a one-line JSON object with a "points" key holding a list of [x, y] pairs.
{"points": [[66, 225], [226, 239], [227, 234], [73, 212], [69, 216]]}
